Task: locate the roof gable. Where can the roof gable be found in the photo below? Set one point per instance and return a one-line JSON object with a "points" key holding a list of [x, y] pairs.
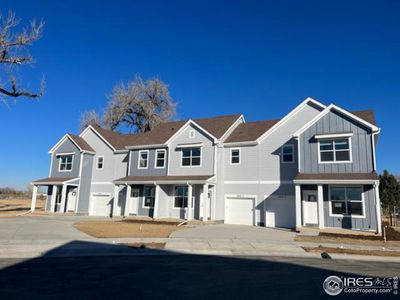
{"points": [[76, 140]]}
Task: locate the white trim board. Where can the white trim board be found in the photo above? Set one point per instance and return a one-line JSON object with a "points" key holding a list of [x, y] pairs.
{"points": [[187, 124], [59, 143]]}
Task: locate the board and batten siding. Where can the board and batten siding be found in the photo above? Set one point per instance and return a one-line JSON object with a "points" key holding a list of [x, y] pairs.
{"points": [[207, 153], [347, 222], [66, 147], [331, 123], [151, 170], [85, 183]]}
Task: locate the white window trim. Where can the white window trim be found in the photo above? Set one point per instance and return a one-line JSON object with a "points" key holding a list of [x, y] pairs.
{"points": [[287, 162], [201, 158], [59, 162], [173, 198], [334, 151], [333, 135], [144, 197], [156, 155], [97, 162], [346, 215], [240, 157], [147, 160]]}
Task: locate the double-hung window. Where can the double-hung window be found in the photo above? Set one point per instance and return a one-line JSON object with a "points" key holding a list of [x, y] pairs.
{"points": [[235, 156], [191, 156], [181, 196], [148, 196], [100, 162], [65, 163], [160, 158], [143, 161], [334, 150], [287, 153], [346, 201]]}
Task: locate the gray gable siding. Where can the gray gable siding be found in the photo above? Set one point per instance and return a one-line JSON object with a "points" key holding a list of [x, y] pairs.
{"points": [[207, 153], [151, 170], [362, 157], [367, 223], [115, 164], [263, 162], [66, 147]]}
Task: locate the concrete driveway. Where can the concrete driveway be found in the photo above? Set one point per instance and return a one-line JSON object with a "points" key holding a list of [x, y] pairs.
{"points": [[236, 240]]}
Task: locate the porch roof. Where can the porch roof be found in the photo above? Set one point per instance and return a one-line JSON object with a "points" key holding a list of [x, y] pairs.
{"points": [[54, 180], [164, 179], [336, 177]]}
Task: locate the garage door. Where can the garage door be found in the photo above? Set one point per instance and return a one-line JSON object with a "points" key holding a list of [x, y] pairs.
{"points": [[101, 204], [280, 212], [239, 210]]}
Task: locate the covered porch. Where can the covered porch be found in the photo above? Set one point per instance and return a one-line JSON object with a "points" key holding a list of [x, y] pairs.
{"points": [[176, 197], [339, 201], [62, 194]]}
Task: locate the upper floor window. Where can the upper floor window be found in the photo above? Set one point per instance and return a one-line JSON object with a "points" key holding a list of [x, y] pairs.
{"points": [[143, 161], [100, 162], [235, 156], [160, 158], [148, 196], [346, 201], [65, 163], [334, 150], [191, 156], [287, 153]]}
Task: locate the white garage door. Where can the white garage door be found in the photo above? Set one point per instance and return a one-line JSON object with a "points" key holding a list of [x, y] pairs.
{"points": [[101, 204], [280, 212], [239, 210]]}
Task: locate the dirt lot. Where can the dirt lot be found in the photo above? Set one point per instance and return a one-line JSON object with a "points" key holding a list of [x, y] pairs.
{"points": [[120, 229], [11, 207], [328, 250]]}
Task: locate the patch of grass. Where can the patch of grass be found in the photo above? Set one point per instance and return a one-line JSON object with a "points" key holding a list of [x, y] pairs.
{"points": [[321, 249], [120, 229], [9, 207]]}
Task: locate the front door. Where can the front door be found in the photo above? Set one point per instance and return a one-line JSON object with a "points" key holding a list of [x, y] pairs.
{"points": [[310, 207], [71, 199], [134, 202]]}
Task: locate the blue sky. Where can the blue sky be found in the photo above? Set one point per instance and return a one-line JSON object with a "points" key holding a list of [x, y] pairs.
{"points": [[259, 58]]}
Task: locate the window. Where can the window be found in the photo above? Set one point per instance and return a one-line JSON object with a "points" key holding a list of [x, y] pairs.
{"points": [[181, 196], [160, 158], [191, 156], [148, 196], [143, 161], [287, 154], [235, 156], [65, 163], [346, 201], [334, 150], [100, 162]]}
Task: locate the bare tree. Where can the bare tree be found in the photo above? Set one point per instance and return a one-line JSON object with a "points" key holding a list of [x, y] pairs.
{"points": [[14, 53], [140, 105], [89, 117]]}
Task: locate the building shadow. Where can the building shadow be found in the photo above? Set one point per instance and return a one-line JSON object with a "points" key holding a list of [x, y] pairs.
{"points": [[67, 272]]}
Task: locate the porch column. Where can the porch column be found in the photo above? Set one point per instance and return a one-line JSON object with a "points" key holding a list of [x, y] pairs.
{"points": [[156, 201], [34, 198], [63, 197], [205, 203], [378, 208], [115, 202], [321, 221], [298, 206], [189, 206], [53, 198], [127, 200]]}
